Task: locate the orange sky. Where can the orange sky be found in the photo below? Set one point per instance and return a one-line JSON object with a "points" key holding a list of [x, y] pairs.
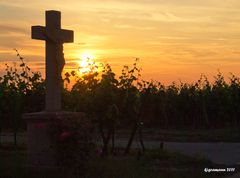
{"points": [[174, 39]]}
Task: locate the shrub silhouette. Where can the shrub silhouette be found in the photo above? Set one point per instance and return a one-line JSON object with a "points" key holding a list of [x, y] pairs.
{"points": [[125, 101]]}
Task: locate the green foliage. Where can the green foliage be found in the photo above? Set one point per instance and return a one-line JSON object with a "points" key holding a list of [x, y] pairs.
{"points": [[20, 90], [123, 100], [73, 141], [105, 98], [20, 79]]}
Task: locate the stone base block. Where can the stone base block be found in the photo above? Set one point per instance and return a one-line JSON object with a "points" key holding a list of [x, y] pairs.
{"points": [[40, 150]]}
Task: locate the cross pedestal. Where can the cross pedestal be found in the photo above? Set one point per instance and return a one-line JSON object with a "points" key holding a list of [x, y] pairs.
{"points": [[41, 153]]}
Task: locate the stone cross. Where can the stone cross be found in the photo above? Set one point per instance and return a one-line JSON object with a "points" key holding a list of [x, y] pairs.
{"points": [[54, 38]]}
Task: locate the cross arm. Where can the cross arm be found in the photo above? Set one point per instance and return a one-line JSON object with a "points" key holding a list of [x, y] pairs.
{"points": [[38, 33], [62, 35], [66, 36]]}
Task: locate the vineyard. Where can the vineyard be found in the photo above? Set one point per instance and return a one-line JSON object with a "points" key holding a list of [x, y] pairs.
{"points": [[124, 101]]}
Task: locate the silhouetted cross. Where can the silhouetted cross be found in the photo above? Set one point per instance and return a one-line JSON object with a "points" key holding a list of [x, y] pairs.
{"points": [[54, 37]]}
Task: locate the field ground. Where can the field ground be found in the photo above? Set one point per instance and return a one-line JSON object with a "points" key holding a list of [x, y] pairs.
{"points": [[152, 164], [155, 163]]}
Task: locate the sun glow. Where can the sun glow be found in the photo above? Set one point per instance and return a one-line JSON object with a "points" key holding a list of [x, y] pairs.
{"points": [[87, 64]]}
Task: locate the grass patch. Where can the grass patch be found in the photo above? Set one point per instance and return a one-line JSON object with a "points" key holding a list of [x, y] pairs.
{"points": [[118, 167], [152, 164], [165, 160], [12, 163]]}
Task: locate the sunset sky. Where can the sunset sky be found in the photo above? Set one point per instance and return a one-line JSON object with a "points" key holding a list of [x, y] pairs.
{"points": [[174, 39]]}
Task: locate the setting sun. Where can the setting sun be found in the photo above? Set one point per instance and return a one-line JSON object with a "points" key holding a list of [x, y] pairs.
{"points": [[87, 64]]}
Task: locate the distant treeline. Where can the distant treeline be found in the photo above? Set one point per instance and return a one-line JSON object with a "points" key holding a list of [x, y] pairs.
{"points": [[124, 101]]}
